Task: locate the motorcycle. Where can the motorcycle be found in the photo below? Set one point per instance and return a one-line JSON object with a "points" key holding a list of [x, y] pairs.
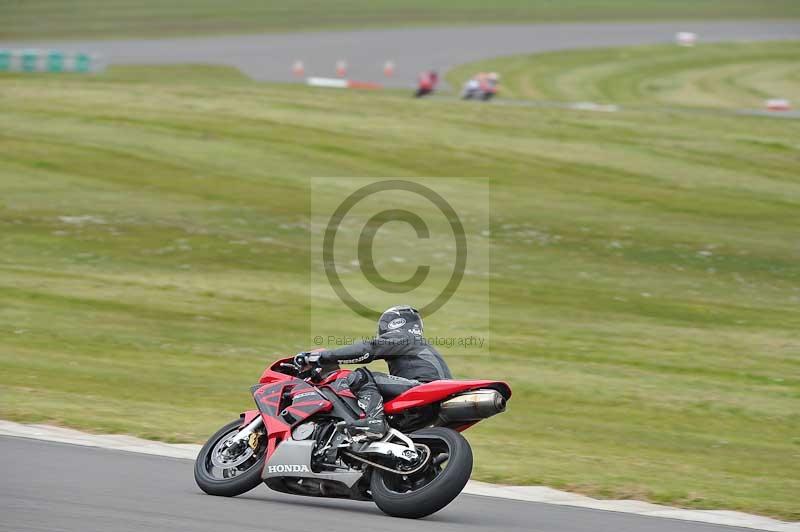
{"points": [[482, 87], [297, 441], [426, 83]]}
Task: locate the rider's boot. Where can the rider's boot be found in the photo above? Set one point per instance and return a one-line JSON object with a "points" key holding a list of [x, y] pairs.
{"points": [[373, 425]]}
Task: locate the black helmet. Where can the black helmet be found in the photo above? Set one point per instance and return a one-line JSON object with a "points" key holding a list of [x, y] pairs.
{"points": [[401, 317]]}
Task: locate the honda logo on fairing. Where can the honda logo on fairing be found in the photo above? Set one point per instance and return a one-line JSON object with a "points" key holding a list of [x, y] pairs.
{"points": [[304, 394], [289, 468]]}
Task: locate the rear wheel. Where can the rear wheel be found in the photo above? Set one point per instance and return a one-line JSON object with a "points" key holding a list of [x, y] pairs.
{"points": [[230, 470], [432, 488]]}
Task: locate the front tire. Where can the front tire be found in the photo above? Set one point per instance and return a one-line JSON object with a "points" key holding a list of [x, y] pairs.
{"points": [[232, 481], [431, 489]]}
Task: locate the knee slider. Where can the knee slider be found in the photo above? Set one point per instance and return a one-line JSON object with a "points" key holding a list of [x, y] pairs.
{"points": [[357, 379]]}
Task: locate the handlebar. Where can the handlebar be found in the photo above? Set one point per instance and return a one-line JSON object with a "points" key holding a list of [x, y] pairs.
{"points": [[288, 366], [292, 368]]}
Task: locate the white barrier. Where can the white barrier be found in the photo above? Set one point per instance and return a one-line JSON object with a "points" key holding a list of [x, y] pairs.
{"points": [[327, 82], [778, 104], [686, 38], [335, 83]]}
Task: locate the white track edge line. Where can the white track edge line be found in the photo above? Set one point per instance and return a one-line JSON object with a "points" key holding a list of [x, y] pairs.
{"points": [[539, 494]]}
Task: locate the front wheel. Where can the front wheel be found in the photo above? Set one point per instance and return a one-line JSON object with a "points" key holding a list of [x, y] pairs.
{"points": [[432, 488], [221, 469]]}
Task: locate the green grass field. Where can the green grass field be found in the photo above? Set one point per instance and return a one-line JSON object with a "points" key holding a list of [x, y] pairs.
{"points": [[645, 270], [733, 75], [36, 19]]}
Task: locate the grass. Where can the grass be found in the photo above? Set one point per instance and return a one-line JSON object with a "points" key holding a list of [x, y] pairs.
{"points": [[48, 19], [729, 75], [645, 270]]}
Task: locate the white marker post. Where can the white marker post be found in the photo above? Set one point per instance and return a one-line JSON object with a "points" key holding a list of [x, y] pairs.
{"points": [[341, 68], [298, 69]]}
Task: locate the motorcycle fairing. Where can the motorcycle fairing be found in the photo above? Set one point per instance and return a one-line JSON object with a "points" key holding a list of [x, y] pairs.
{"points": [[293, 459], [248, 416], [433, 392], [337, 381], [306, 401], [303, 402]]}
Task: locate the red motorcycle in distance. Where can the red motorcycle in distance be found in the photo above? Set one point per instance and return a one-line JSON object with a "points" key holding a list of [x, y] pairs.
{"points": [[297, 441]]}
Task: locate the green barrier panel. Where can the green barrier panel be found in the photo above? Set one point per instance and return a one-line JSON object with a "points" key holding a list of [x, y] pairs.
{"points": [[32, 60], [55, 61], [29, 59], [82, 62]]}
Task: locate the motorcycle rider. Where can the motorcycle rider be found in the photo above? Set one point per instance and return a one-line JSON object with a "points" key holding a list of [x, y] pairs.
{"points": [[411, 360], [426, 83], [482, 86], [472, 86]]}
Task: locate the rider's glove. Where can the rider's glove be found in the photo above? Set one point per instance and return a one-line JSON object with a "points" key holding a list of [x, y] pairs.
{"points": [[302, 360]]}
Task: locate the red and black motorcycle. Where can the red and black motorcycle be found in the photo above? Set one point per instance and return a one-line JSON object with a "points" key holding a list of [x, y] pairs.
{"points": [[297, 441]]}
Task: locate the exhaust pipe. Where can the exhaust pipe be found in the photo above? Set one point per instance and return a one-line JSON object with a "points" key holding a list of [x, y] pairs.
{"points": [[472, 406]]}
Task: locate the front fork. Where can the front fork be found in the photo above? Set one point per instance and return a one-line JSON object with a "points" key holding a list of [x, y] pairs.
{"points": [[244, 434]]}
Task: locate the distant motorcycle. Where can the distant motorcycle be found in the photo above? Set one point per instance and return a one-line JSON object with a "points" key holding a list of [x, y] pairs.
{"points": [[481, 87], [297, 442], [426, 83]]}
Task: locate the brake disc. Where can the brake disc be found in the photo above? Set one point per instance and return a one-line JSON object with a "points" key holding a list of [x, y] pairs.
{"points": [[220, 457]]}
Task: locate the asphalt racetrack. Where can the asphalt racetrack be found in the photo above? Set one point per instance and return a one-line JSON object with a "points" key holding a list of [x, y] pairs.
{"points": [[61, 487], [270, 57]]}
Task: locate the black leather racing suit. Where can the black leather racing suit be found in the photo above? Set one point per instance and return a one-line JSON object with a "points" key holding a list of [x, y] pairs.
{"points": [[409, 356], [411, 359]]}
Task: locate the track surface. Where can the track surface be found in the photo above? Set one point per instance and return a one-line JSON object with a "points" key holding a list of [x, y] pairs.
{"points": [[270, 57], [54, 486]]}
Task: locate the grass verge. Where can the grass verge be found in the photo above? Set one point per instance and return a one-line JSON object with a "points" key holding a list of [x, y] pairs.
{"points": [[726, 75], [645, 278], [48, 19]]}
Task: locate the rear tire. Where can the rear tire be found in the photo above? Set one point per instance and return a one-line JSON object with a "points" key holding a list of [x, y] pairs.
{"points": [[242, 482], [445, 485]]}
